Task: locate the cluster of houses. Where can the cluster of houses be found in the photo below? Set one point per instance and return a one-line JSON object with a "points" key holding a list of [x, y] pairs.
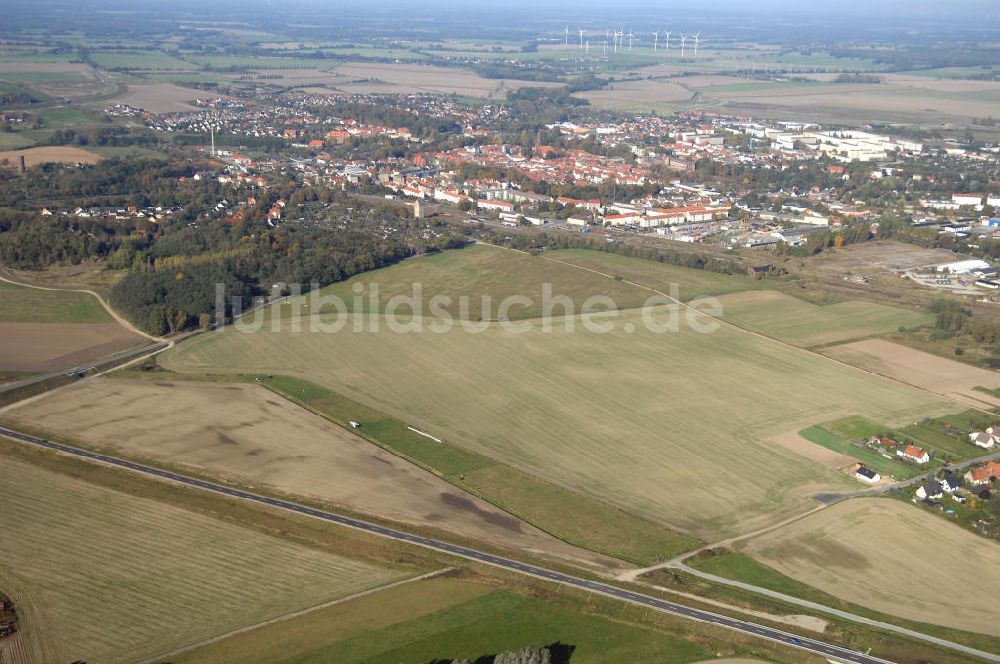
{"points": [[154, 213]]}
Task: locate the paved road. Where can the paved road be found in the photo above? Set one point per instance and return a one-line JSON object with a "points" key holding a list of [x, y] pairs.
{"points": [[829, 650], [951, 645], [83, 368]]}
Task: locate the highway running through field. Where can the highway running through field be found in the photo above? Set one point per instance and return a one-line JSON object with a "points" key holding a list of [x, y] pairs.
{"points": [[835, 652]]}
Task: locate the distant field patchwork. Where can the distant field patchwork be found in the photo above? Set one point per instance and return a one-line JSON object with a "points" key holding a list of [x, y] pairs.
{"points": [[106, 577]]}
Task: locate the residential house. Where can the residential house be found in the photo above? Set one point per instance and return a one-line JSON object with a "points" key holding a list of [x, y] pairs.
{"points": [[949, 484], [930, 491], [983, 440], [913, 453], [867, 475], [978, 476]]}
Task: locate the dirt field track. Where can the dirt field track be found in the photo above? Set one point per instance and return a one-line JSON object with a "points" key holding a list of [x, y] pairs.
{"points": [[102, 576], [245, 432], [52, 346], [892, 557], [50, 154]]}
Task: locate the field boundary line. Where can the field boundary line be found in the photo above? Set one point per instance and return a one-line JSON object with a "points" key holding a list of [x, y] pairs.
{"points": [[295, 614], [118, 318]]}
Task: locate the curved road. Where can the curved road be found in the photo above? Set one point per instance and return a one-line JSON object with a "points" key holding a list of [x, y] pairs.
{"points": [[837, 653]]}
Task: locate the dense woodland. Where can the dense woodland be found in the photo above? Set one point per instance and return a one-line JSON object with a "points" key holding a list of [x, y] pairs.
{"points": [[173, 266]]}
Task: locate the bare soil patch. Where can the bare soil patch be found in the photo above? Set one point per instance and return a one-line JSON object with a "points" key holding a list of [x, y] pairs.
{"points": [[916, 367], [882, 255], [159, 97], [51, 154], [247, 433], [892, 557], [637, 94], [52, 346], [45, 67]]}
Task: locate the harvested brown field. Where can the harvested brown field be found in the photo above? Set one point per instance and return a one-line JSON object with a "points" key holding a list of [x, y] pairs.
{"points": [[925, 370], [640, 94], [159, 97], [249, 434], [894, 558], [51, 154], [103, 576], [45, 68], [52, 346], [367, 77]]}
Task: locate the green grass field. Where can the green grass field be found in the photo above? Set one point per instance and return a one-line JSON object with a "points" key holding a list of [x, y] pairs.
{"points": [[138, 60], [803, 324], [442, 619], [20, 304], [651, 274], [677, 427], [104, 576], [474, 272]]}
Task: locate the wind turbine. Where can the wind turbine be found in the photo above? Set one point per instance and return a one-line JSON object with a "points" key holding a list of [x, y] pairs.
{"points": [[696, 35], [588, 47], [683, 39], [607, 33], [580, 30], [567, 35], [630, 36], [668, 39], [656, 39]]}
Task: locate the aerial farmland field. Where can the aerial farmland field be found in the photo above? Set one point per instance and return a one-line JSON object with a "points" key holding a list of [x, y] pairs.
{"points": [[45, 330], [243, 432], [651, 274], [805, 324], [678, 427], [474, 272], [99, 575], [448, 618], [893, 557]]}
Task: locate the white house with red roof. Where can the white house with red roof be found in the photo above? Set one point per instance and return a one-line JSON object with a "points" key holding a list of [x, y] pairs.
{"points": [[913, 453]]}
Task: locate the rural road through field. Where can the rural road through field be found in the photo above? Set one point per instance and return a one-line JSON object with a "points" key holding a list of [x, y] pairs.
{"points": [[836, 652]]}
